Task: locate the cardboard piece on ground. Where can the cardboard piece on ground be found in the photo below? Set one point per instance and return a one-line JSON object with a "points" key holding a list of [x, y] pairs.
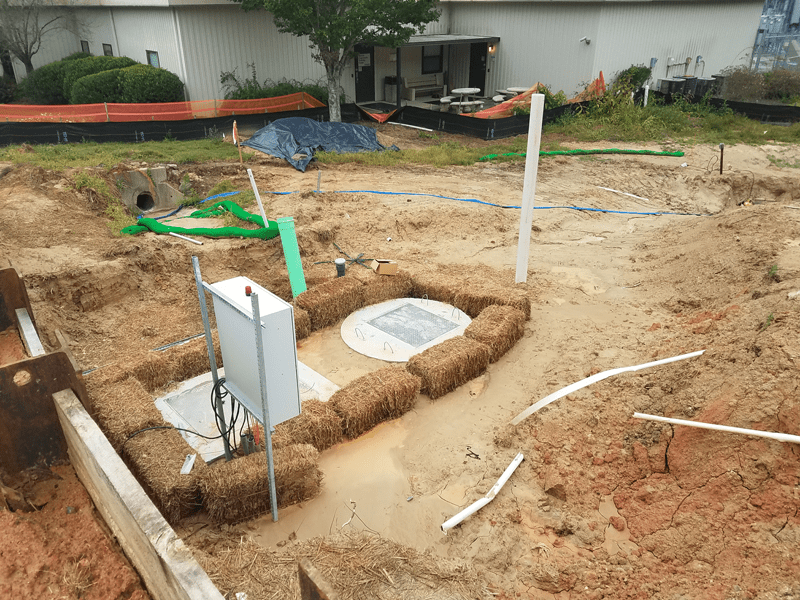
{"points": [[384, 266]]}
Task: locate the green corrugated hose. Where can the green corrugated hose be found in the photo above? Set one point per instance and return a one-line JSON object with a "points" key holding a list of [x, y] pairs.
{"points": [[581, 151], [215, 210]]}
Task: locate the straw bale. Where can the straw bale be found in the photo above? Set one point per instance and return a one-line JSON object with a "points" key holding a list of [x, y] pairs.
{"points": [[380, 288], [317, 424], [239, 490], [357, 565], [448, 365], [330, 302], [155, 458], [302, 323], [497, 327], [436, 286], [384, 394], [123, 408], [191, 358], [477, 297], [98, 380]]}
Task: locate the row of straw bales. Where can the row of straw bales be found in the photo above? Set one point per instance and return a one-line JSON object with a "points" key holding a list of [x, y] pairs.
{"points": [[121, 400], [332, 301]]}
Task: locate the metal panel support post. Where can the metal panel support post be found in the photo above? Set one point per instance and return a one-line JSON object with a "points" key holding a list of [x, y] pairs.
{"points": [[212, 359], [262, 380]]}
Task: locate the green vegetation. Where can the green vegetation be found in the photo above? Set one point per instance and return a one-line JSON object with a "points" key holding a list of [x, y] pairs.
{"points": [[75, 69], [250, 88], [783, 163], [92, 154], [769, 320], [773, 273], [115, 210], [551, 100], [748, 86]]}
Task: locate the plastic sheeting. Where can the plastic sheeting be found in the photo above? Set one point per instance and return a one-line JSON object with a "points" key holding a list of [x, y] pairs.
{"points": [[297, 138]]}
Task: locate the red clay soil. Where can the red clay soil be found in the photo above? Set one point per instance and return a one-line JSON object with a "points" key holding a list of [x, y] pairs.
{"points": [[60, 549]]}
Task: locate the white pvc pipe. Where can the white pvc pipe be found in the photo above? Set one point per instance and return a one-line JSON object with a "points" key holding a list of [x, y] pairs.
{"points": [[646, 93], [183, 237], [258, 198], [623, 193], [781, 437], [594, 379], [529, 187], [490, 495]]}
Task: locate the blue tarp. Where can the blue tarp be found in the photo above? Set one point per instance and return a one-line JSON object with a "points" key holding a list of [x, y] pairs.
{"points": [[297, 138]]}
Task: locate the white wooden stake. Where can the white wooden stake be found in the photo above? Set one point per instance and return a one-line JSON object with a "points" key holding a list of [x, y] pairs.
{"points": [[529, 188], [258, 197]]}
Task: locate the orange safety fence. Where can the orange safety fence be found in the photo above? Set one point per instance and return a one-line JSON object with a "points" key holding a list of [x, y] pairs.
{"points": [[165, 111], [506, 109]]}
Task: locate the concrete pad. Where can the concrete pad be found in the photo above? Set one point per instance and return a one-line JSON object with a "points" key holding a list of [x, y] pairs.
{"points": [[189, 407]]}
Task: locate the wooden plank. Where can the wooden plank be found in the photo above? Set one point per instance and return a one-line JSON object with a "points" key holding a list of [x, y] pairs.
{"points": [[313, 586], [165, 564], [28, 333]]}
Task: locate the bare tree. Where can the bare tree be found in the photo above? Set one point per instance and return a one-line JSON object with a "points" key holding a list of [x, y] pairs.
{"points": [[25, 23]]}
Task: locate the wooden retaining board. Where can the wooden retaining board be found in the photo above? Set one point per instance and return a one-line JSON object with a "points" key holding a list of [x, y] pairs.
{"points": [[165, 564]]}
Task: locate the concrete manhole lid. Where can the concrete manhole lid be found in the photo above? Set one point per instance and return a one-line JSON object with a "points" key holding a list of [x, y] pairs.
{"points": [[398, 329]]}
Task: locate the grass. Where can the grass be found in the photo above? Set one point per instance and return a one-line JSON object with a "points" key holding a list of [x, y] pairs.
{"points": [[115, 210], [91, 154], [783, 163]]}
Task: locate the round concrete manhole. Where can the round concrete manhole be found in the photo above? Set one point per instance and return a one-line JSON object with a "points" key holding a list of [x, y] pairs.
{"points": [[398, 329], [145, 202]]}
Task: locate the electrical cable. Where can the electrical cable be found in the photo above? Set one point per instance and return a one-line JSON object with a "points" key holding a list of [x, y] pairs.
{"points": [[135, 433]]}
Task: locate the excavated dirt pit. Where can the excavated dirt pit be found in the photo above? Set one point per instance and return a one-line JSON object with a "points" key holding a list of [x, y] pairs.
{"points": [[604, 505]]}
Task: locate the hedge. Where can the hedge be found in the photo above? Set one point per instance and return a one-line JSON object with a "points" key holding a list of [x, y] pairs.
{"points": [[45, 84], [136, 84], [143, 83], [75, 69], [105, 86]]}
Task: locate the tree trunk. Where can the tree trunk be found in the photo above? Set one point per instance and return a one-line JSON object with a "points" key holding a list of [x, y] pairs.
{"points": [[28, 65], [334, 78]]}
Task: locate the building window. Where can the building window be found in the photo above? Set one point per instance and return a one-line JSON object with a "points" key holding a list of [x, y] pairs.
{"points": [[152, 59], [107, 51], [85, 46], [431, 59]]}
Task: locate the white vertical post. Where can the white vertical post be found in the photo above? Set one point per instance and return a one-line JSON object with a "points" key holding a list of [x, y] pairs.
{"points": [[529, 188], [258, 197]]}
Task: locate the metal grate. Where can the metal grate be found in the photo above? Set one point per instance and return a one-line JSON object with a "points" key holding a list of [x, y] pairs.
{"points": [[413, 325]]}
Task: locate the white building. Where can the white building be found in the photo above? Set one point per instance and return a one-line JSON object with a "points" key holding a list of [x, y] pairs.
{"points": [[488, 44]]}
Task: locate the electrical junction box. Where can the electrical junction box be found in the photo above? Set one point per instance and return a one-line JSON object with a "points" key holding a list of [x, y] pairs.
{"points": [[233, 310]]}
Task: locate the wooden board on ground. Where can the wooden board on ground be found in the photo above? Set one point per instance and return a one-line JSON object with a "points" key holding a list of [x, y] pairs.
{"points": [[165, 564]]}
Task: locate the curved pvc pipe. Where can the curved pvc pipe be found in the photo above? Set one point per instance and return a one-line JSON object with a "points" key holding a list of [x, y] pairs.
{"points": [[594, 379], [781, 437], [490, 495]]}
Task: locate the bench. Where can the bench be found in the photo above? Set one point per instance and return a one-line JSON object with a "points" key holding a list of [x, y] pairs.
{"points": [[423, 85]]}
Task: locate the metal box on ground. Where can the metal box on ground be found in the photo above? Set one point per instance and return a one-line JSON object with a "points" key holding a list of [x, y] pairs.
{"points": [[239, 353]]}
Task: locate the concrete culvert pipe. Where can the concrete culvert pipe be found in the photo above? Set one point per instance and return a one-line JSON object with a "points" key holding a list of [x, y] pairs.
{"points": [[145, 202]]}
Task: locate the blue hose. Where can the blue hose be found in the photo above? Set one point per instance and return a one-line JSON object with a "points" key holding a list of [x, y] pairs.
{"points": [[473, 200]]}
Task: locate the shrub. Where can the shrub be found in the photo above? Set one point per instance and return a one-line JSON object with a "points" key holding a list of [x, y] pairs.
{"points": [[7, 90], [632, 78], [77, 55], [250, 89], [99, 87], [782, 84], [143, 83], [45, 84], [75, 69], [742, 84]]}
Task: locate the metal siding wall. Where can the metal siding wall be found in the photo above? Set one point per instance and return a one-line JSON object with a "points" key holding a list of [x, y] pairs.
{"points": [[722, 32], [142, 29], [54, 47], [538, 42], [96, 29], [224, 38], [443, 24]]}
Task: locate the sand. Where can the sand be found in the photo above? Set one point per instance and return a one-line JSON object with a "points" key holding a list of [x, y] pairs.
{"points": [[603, 505]]}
